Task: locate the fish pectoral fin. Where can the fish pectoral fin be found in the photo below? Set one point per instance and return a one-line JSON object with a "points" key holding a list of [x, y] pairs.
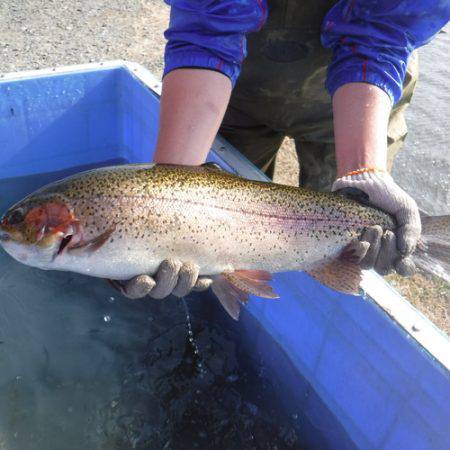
{"points": [[233, 288], [343, 274], [93, 244]]}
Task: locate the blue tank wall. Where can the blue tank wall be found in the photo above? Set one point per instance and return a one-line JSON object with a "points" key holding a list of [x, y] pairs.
{"points": [[357, 376]]}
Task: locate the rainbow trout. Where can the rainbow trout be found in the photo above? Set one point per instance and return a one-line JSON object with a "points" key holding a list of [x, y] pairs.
{"points": [[119, 222]]}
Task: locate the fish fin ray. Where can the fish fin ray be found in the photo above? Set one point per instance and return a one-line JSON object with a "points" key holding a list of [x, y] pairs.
{"points": [[253, 282], [233, 288], [229, 296], [256, 275], [342, 274]]}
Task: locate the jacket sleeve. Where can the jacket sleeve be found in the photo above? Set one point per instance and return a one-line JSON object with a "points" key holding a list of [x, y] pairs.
{"points": [[211, 34], [372, 39]]}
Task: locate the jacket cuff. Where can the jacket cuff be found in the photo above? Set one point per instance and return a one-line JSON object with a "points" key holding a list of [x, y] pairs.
{"points": [[376, 77], [203, 60]]}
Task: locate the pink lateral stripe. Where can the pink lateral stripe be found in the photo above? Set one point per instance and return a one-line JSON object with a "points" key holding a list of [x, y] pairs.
{"points": [[308, 217]]}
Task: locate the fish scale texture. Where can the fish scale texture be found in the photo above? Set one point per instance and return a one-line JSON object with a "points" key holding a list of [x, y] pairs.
{"points": [[201, 214]]}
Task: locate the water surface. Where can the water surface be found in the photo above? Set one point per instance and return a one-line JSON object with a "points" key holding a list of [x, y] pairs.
{"points": [[82, 368]]}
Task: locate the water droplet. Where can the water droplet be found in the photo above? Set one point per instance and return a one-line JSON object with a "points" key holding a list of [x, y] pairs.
{"points": [[191, 339], [232, 378], [107, 318], [294, 416], [111, 299]]}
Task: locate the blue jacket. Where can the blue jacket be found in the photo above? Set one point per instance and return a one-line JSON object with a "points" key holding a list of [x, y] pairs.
{"points": [[371, 39]]}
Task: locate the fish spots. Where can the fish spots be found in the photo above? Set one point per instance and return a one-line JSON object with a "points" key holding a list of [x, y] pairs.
{"points": [[212, 213]]}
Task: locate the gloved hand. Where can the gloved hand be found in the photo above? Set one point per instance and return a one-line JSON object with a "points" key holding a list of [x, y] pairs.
{"points": [[172, 277], [387, 251]]}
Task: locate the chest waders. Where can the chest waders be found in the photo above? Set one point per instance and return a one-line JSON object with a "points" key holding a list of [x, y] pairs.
{"points": [[281, 92]]}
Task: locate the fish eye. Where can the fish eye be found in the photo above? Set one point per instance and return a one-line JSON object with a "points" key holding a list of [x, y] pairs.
{"points": [[15, 216]]}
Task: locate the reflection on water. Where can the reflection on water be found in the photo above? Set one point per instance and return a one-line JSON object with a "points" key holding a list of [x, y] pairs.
{"points": [[83, 368]]}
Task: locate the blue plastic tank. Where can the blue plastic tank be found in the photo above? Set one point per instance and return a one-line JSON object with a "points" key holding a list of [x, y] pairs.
{"points": [[362, 372]]}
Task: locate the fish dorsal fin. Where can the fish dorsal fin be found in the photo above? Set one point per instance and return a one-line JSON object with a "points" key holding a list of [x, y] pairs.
{"points": [[212, 166], [343, 274], [233, 288]]}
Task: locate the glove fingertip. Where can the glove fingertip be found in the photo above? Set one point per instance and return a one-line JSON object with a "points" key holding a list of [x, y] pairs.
{"points": [[368, 262], [405, 267], [139, 287], [203, 284], [406, 244], [372, 233]]}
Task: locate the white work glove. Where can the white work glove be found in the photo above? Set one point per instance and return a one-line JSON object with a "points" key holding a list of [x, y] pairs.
{"points": [[173, 277], [387, 250]]}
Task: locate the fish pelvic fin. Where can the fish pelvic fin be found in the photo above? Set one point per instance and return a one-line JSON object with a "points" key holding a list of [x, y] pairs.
{"points": [[343, 274], [233, 288]]}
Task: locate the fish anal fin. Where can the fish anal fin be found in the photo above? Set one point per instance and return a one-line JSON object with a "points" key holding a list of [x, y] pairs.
{"points": [[341, 274], [93, 244]]}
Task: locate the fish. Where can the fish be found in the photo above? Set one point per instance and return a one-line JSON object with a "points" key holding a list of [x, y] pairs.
{"points": [[122, 221]]}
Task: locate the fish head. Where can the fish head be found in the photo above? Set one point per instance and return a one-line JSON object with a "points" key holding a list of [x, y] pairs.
{"points": [[37, 229]]}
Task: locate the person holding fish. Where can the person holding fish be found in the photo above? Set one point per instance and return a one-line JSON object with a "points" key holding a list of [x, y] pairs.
{"points": [[336, 76]]}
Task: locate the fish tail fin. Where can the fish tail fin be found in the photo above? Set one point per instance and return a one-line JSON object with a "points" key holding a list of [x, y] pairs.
{"points": [[432, 254]]}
